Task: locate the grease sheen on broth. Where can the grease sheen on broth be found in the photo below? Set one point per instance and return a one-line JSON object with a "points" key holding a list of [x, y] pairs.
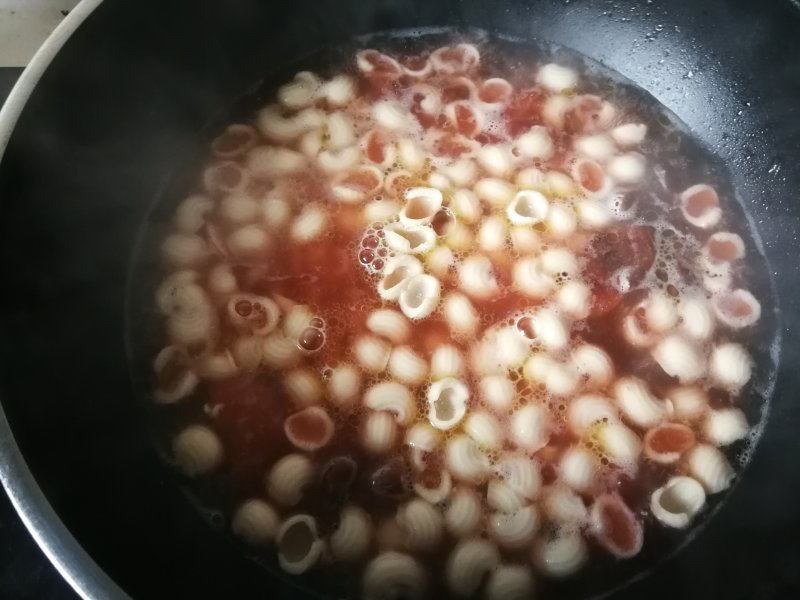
{"points": [[450, 320]]}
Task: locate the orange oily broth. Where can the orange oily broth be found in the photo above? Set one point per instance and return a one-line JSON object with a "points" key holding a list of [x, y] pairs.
{"points": [[650, 240]]}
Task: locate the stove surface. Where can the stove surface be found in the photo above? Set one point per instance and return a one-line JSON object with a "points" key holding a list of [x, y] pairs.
{"points": [[25, 572]]}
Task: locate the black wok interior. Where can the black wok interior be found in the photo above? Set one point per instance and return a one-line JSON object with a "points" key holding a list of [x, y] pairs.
{"points": [[127, 100]]}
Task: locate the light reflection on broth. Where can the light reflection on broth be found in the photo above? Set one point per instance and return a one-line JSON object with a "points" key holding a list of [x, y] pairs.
{"points": [[445, 319]]}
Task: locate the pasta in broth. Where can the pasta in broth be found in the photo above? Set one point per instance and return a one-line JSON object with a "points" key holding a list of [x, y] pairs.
{"points": [[453, 322]]}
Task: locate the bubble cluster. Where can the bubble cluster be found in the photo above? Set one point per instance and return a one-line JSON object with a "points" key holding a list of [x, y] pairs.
{"points": [[372, 249]]}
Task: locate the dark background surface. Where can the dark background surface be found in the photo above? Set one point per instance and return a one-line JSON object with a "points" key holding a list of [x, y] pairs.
{"points": [[25, 572], [728, 69]]}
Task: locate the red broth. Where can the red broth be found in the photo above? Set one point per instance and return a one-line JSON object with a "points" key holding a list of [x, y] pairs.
{"points": [[595, 321]]}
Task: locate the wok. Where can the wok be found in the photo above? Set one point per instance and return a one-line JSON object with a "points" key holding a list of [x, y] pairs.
{"points": [[104, 116]]}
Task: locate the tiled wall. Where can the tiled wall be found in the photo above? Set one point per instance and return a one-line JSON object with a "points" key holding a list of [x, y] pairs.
{"points": [[24, 25]]}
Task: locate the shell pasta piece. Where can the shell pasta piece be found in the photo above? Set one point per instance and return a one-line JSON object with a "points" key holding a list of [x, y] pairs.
{"points": [[394, 575], [710, 467], [492, 234], [446, 361], [620, 444], [470, 561], [184, 250], [629, 134], [730, 366], [562, 555], [423, 438], [309, 429], [176, 379], [420, 296], [697, 319], [542, 369], [535, 143], [256, 522], [411, 239], [246, 352], [303, 387], [299, 544], [561, 221], [515, 531], [440, 261], [557, 78], [531, 279], [484, 429], [502, 498], [615, 527], [588, 409], [289, 479], [530, 427], [680, 358], [338, 91], [179, 292], [447, 402], [393, 398], [344, 384], [497, 392], [678, 501], [700, 206], [197, 450], [373, 62], [279, 351], [378, 432], [476, 277], [396, 275], [351, 539], [391, 115], [666, 443], [594, 365], [563, 506], [238, 209], [598, 147], [497, 160], [460, 314], [234, 141], [521, 474], [574, 298], [550, 329], [195, 328], [422, 524], [309, 224], [737, 309], [465, 460], [372, 353], [357, 185], [432, 491], [389, 324], [407, 367], [218, 365], [638, 404], [688, 401], [464, 513], [578, 468], [455, 60], [466, 206], [300, 92], [725, 426], [190, 216]]}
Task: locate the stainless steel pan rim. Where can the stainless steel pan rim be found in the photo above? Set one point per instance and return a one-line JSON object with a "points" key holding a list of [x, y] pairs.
{"points": [[58, 544]]}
